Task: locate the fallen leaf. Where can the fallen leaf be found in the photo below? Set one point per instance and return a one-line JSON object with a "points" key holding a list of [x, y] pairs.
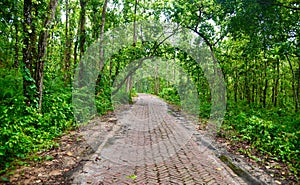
{"points": [[131, 177], [112, 120], [54, 173], [277, 182]]}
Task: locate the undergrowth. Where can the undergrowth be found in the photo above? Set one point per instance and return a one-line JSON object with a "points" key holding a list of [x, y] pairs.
{"points": [[275, 133], [24, 130]]}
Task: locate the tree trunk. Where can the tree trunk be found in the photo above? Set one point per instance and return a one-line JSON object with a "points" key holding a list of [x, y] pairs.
{"points": [[129, 79], [82, 28], [260, 87], [110, 70], [253, 79], [247, 88], [67, 54], [81, 35], [293, 84], [29, 32], [95, 24], [101, 49], [275, 88], [101, 62], [16, 63], [298, 79], [75, 51], [42, 46], [235, 85], [277, 83], [134, 24], [156, 80], [266, 87]]}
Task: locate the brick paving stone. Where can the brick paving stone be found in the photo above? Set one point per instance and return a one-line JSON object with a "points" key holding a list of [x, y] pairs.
{"points": [[154, 147], [212, 182]]}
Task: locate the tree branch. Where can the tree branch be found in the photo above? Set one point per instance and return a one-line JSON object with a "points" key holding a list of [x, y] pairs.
{"points": [[281, 5], [129, 74]]}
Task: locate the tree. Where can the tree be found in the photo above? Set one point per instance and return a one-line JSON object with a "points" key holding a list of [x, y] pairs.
{"points": [[42, 46], [67, 52], [28, 52], [272, 31]]}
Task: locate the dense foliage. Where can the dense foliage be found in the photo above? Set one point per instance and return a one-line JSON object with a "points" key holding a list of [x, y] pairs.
{"points": [[255, 42]]}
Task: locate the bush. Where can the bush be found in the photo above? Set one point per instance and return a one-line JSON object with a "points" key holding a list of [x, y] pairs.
{"points": [[170, 94], [24, 130], [272, 135]]}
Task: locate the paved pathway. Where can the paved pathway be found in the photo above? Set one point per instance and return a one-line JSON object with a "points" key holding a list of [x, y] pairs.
{"points": [[152, 146]]}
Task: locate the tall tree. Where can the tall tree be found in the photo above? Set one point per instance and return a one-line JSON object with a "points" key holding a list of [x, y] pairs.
{"points": [[42, 46], [129, 79], [29, 42], [101, 48], [101, 62], [82, 30], [67, 52]]}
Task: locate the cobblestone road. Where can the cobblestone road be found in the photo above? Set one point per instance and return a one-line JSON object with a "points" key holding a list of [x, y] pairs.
{"points": [[152, 146]]}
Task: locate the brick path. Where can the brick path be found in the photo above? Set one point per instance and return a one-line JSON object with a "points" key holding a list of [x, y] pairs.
{"points": [[151, 146]]}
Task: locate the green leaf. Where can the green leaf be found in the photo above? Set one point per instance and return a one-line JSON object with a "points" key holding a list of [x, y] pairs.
{"points": [[4, 179], [131, 177], [49, 158]]}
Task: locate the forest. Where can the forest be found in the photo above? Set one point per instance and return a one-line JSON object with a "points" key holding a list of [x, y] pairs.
{"points": [[255, 43]]}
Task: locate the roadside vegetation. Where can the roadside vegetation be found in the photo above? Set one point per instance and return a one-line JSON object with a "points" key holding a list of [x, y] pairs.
{"points": [[256, 44]]}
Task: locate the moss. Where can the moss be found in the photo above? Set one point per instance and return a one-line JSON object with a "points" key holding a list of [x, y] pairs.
{"points": [[239, 171]]}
